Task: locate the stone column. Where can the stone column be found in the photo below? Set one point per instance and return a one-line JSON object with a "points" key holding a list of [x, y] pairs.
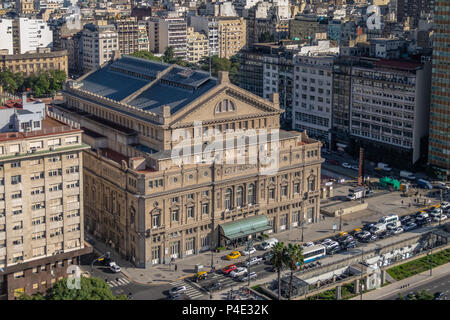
{"points": [[356, 286], [338, 292], [383, 276]]}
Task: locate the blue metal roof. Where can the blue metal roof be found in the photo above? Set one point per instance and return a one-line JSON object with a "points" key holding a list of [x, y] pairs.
{"points": [[179, 87]]}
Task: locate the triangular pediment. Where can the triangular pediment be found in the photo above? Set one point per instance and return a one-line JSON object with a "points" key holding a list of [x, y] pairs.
{"points": [[222, 104]]}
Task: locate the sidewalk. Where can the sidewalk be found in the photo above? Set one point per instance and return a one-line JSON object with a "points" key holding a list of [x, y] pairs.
{"points": [[413, 282]]}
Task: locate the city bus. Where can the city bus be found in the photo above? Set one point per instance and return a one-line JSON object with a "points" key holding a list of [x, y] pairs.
{"points": [[313, 253]]}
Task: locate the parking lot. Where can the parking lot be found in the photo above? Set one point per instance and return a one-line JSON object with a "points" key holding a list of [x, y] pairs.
{"points": [[336, 247]]}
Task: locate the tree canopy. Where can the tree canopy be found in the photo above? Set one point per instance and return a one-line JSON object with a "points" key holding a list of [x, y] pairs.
{"points": [[222, 64], [42, 83], [91, 289]]}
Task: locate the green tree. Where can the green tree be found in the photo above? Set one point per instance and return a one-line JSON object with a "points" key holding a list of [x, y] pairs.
{"points": [[169, 55], [91, 289], [293, 256], [277, 260], [266, 37], [146, 55]]}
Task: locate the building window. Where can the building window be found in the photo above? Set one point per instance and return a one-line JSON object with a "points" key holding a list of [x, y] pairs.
{"points": [[240, 197], [296, 188], [284, 190], [190, 212], [251, 194], [175, 215], [205, 208], [271, 194], [16, 179], [228, 198]]}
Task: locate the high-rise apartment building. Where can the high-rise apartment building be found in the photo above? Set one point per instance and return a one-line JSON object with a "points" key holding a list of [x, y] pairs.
{"points": [[389, 112], [41, 196], [209, 26], [197, 46], [148, 206], [132, 35], [168, 31], [232, 36], [313, 95], [24, 35], [99, 44], [439, 139]]}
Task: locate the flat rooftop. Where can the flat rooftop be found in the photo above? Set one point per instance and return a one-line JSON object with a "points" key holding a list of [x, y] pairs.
{"points": [[49, 125]]}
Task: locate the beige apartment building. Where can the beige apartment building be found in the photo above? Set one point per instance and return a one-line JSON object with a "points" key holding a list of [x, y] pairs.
{"points": [[30, 63], [197, 46], [232, 36], [150, 208], [132, 35], [41, 216]]}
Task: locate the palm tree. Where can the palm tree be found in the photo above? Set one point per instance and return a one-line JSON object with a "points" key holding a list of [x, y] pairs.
{"points": [[277, 260], [292, 257]]}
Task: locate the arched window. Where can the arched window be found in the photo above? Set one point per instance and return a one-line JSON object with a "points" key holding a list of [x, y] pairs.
{"points": [[228, 197], [251, 194], [225, 106], [240, 197]]}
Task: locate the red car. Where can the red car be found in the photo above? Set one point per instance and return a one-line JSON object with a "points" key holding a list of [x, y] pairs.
{"points": [[334, 162], [229, 268]]}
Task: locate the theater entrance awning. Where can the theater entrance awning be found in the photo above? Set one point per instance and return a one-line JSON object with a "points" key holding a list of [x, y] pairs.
{"points": [[245, 227]]}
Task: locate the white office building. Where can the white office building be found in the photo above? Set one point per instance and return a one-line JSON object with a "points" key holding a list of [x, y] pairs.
{"points": [[6, 35]]}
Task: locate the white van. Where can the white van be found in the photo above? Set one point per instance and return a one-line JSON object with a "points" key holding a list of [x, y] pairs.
{"points": [[378, 228], [269, 243], [388, 219]]}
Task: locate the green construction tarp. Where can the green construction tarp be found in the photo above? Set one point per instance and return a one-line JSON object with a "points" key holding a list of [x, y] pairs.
{"points": [[244, 227]]}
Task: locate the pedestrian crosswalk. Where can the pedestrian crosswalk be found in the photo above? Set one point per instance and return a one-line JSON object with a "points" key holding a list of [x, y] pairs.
{"points": [[191, 292], [118, 282]]}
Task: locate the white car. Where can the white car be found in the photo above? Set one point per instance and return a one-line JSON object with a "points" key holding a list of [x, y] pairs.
{"points": [[440, 217], [238, 272], [254, 260], [332, 244], [326, 242], [436, 212], [177, 290], [247, 252], [114, 267], [397, 230], [354, 167], [443, 185], [308, 244], [347, 165], [445, 205]]}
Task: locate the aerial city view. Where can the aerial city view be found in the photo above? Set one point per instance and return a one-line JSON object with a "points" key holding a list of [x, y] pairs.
{"points": [[243, 151]]}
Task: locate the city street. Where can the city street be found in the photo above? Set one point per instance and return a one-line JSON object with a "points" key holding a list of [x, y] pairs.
{"points": [[441, 284]]}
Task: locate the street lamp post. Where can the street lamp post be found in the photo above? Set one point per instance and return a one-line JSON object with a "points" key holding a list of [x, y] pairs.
{"points": [[340, 211], [303, 228], [440, 215]]}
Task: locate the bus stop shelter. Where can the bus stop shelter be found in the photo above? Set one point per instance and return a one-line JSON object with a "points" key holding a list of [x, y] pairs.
{"points": [[240, 231]]}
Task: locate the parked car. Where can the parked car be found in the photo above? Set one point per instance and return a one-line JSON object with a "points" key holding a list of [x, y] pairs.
{"points": [[349, 245], [332, 245], [268, 255], [240, 271], [368, 226], [269, 243], [251, 275], [369, 193], [333, 162], [326, 242], [177, 290], [405, 218], [332, 250], [363, 235], [354, 167], [423, 221], [397, 230], [385, 234], [445, 205], [307, 244], [435, 212], [247, 252], [409, 226], [181, 296], [393, 225], [347, 165], [114, 267], [229, 268], [233, 255], [347, 240], [253, 261], [213, 287], [440, 217], [440, 296]]}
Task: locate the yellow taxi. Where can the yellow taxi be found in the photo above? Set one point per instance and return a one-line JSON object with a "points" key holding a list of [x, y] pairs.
{"points": [[357, 230], [201, 275], [343, 233], [233, 255]]}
